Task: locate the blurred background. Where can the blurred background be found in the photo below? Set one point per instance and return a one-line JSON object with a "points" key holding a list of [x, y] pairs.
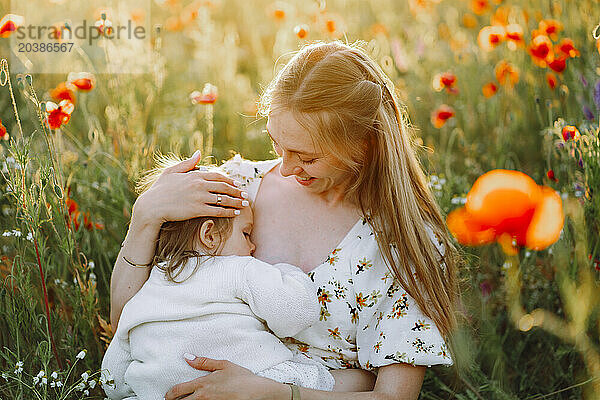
{"points": [[487, 84]]}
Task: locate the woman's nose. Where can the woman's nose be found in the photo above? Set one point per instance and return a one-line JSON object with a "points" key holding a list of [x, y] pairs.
{"points": [[288, 168]]}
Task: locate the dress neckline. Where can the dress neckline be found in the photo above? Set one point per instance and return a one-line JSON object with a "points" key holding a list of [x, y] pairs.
{"points": [[345, 238], [341, 243]]}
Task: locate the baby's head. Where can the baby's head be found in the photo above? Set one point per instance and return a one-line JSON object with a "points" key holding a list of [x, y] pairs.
{"points": [[202, 236]]}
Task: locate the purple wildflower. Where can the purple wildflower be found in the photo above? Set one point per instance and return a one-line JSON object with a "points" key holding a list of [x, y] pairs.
{"points": [[486, 289], [584, 81], [597, 95], [589, 115]]}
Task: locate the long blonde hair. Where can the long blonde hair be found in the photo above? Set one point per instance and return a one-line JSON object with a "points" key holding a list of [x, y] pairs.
{"points": [[177, 240], [348, 104]]}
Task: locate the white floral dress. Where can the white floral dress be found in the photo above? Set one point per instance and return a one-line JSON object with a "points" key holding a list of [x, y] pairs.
{"points": [[367, 320]]}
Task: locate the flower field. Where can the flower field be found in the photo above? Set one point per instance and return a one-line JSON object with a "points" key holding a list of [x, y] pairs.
{"points": [[488, 85]]}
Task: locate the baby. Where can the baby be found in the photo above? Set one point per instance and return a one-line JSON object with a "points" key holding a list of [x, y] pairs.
{"points": [[222, 307]]}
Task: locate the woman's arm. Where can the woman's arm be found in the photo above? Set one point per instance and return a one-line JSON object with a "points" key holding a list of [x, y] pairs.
{"points": [[229, 381], [178, 194]]}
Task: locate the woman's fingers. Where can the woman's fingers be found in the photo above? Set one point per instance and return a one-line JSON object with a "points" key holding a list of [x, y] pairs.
{"points": [[216, 211], [225, 188], [208, 364], [223, 200], [185, 165], [215, 177], [183, 389]]}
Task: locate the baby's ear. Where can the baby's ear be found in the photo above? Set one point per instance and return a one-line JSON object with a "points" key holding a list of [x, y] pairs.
{"points": [[207, 234]]}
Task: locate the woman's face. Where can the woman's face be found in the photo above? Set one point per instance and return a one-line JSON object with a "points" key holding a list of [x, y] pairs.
{"points": [[314, 170]]}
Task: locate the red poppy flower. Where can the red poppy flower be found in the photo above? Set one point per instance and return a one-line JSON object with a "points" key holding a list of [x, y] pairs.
{"points": [[491, 36], [190, 12], [552, 81], [506, 73], [489, 89], [104, 26], [330, 25], [440, 116], [510, 208], [500, 16], [558, 64], [445, 80], [83, 81], [208, 95], [73, 220], [570, 132], [9, 24], [550, 27], [3, 132], [541, 50], [64, 91], [514, 35], [58, 114], [301, 31], [480, 7], [278, 10], [567, 48], [550, 175]]}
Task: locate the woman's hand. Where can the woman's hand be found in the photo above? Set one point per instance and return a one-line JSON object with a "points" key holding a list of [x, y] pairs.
{"points": [[178, 194], [227, 381], [182, 193]]}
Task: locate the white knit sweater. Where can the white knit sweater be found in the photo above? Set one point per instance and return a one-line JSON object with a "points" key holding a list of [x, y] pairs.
{"points": [[222, 312]]}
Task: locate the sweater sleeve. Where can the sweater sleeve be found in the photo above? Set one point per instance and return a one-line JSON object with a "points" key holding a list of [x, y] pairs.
{"points": [[114, 365], [282, 295]]}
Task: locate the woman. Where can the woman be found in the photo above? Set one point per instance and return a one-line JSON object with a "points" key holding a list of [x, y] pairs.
{"points": [[347, 182]]}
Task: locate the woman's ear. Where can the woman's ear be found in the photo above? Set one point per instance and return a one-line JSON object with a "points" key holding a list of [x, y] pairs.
{"points": [[207, 236]]}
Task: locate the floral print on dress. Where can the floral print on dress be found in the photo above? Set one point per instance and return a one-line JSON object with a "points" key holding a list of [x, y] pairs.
{"points": [[367, 320]]}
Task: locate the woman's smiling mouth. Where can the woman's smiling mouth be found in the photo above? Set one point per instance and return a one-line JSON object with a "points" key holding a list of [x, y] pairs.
{"points": [[305, 181]]}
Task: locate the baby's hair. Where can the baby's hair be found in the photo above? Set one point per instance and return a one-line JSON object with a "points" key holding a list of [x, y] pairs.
{"points": [[177, 240]]}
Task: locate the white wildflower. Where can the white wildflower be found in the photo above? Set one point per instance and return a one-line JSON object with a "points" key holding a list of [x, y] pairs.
{"points": [[93, 277], [5, 376], [92, 384], [35, 380], [58, 383], [80, 386], [44, 381], [81, 354], [54, 375], [41, 373], [30, 237], [86, 392], [91, 264], [19, 367], [85, 376]]}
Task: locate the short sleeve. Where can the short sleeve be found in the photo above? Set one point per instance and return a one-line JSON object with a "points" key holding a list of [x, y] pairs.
{"points": [[391, 327], [248, 173]]}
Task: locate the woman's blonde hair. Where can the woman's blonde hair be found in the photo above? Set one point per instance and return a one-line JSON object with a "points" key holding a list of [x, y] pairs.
{"points": [[342, 97], [177, 240]]}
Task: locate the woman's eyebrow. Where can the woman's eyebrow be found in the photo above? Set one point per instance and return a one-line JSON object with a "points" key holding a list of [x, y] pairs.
{"points": [[293, 151]]}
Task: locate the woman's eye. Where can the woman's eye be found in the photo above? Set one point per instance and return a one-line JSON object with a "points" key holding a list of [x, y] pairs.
{"points": [[308, 161]]}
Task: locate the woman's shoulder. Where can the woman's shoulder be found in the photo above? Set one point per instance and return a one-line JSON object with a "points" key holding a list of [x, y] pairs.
{"points": [[248, 172]]}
